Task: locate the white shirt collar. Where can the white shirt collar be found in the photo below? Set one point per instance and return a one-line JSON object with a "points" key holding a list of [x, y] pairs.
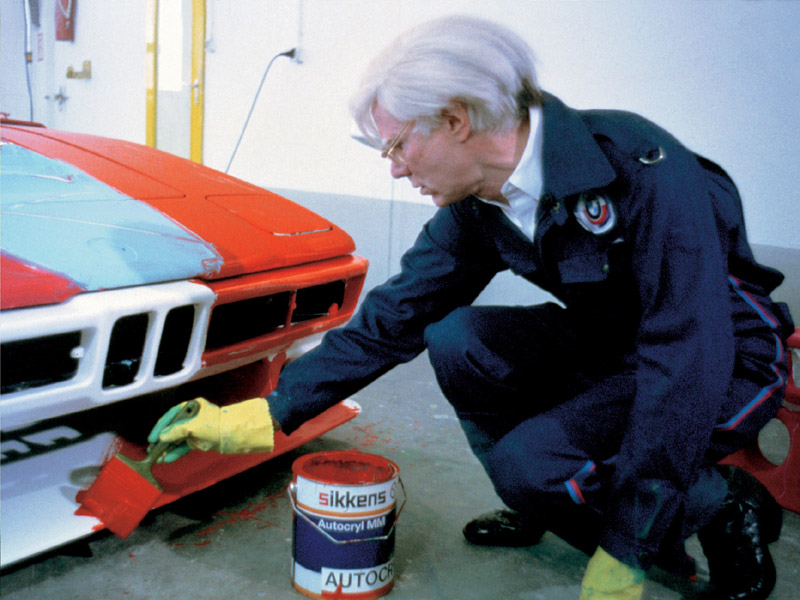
{"points": [[527, 176], [524, 186]]}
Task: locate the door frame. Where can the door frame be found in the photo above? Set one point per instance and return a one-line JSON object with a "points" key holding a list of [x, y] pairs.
{"points": [[197, 91]]}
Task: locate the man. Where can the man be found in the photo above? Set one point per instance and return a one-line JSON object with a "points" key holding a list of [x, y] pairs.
{"points": [[602, 416]]}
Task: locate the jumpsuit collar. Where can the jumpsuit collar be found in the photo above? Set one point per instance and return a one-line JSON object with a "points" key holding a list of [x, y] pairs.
{"points": [[572, 160]]}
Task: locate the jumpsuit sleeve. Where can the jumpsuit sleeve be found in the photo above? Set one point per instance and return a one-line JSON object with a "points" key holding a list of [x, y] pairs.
{"points": [[683, 359], [444, 269]]}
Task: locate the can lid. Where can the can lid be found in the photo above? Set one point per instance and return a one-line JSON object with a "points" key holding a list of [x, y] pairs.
{"points": [[345, 467]]}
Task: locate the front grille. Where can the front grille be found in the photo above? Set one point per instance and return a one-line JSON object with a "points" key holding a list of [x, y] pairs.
{"points": [[103, 347], [99, 348], [246, 319], [318, 301], [39, 361], [125, 350]]}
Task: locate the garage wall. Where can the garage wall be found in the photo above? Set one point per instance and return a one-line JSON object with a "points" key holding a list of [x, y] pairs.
{"points": [[110, 34], [722, 75]]}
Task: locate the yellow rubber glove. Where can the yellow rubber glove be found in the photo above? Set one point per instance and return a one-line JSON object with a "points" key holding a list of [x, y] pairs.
{"points": [[606, 578], [241, 428]]}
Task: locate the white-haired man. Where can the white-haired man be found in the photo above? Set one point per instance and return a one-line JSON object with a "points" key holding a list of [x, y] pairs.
{"points": [[602, 417]]}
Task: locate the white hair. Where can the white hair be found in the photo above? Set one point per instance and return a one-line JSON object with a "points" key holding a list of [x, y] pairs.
{"points": [[457, 59]]}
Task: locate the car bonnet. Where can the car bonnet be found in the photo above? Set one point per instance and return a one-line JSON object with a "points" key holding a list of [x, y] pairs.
{"points": [[84, 213]]}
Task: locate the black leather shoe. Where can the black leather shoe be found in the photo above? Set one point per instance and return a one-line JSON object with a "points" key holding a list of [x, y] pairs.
{"points": [[503, 528], [735, 541]]}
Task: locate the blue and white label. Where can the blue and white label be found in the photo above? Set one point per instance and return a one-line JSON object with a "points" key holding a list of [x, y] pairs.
{"points": [[358, 526]]}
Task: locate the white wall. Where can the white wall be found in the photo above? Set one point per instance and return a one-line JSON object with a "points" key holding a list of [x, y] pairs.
{"points": [[109, 33], [722, 75]]}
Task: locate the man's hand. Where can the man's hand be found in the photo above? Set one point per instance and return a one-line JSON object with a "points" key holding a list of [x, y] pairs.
{"points": [[606, 578], [242, 428]]}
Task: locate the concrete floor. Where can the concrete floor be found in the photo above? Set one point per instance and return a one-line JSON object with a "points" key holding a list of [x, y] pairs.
{"points": [[234, 540]]}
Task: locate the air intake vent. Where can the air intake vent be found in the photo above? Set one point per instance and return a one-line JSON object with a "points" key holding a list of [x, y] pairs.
{"points": [[175, 340], [125, 350], [39, 361], [316, 301], [247, 319]]}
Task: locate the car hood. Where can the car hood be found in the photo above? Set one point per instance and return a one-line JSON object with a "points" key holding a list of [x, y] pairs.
{"points": [[84, 213]]}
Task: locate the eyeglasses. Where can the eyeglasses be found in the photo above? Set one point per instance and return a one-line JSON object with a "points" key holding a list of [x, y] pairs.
{"points": [[388, 151]]}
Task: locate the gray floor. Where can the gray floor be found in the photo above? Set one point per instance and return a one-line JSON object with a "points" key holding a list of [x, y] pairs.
{"points": [[234, 540]]}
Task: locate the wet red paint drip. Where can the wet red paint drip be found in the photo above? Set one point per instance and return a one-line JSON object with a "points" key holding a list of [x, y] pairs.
{"points": [[337, 593]]}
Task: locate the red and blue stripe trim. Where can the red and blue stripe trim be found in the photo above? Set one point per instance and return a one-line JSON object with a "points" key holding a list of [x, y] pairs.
{"points": [[753, 303], [766, 392], [573, 489]]}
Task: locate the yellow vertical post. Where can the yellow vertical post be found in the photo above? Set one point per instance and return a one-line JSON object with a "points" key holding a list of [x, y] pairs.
{"points": [[198, 79], [151, 72]]}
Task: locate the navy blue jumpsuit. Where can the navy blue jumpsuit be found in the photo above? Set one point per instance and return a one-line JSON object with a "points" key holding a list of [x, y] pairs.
{"points": [[604, 412]]}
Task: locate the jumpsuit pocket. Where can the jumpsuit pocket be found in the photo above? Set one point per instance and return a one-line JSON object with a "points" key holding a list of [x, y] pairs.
{"points": [[584, 268]]}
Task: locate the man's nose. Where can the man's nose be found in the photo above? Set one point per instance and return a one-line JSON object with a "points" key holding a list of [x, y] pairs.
{"points": [[398, 170]]}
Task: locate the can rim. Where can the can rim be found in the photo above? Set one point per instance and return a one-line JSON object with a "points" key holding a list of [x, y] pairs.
{"points": [[345, 467]]}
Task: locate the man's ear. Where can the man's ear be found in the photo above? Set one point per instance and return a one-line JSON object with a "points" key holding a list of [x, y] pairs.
{"points": [[455, 120]]}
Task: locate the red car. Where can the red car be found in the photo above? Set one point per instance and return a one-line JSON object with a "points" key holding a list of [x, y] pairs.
{"points": [[132, 279]]}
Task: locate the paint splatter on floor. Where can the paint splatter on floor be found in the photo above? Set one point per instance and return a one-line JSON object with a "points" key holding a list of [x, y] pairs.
{"points": [[248, 515]]}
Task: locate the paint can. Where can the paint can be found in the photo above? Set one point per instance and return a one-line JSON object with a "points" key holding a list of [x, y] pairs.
{"points": [[344, 514]]}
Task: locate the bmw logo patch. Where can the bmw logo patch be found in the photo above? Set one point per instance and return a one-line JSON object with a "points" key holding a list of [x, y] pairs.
{"points": [[596, 214]]}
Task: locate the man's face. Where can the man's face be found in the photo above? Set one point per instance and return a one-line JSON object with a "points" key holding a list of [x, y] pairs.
{"points": [[438, 164]]}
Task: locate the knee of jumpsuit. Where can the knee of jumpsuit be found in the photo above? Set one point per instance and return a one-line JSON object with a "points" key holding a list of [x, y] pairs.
{"points": [[468, 371], [536, 465], [482, 405], [566, 453]]}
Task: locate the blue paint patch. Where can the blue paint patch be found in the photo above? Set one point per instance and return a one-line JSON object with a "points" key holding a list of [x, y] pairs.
{"points": [[61, 218]]}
